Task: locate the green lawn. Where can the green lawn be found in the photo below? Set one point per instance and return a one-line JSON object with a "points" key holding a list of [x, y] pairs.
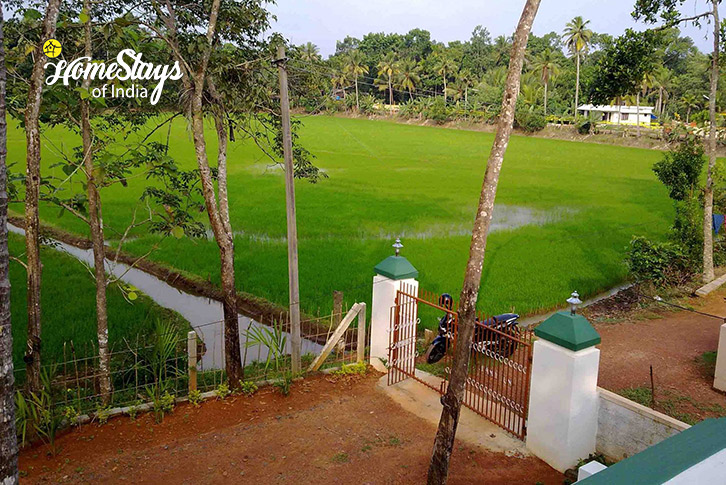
{"points": [[389, 179], [69, 308]]}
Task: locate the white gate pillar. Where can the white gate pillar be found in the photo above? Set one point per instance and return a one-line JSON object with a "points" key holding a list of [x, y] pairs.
{"points": [[392, 273], [563, 400], [719, 381]]}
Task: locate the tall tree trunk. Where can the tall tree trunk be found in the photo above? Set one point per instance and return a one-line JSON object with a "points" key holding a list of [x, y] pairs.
{"points": [[222, 237], [545, 100], [32, 194], [194, 82], [445, 93], [357, 103], [660, 101], [8, 438], [96, 225], [708, 192], [439, 467], [390, 93], [577, 83], [637, 114]]}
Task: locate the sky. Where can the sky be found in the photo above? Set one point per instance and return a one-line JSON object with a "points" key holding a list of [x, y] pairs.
{"points": [[323, 22]]}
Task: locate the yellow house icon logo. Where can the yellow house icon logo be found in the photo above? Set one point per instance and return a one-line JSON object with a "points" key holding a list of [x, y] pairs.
{"points": [[52, 48]]}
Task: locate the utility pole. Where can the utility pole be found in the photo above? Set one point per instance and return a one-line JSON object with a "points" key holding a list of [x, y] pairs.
{"points": [[291, 218]]}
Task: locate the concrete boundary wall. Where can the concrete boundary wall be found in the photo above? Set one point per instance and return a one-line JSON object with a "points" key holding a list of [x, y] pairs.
{"points": [[626, 427]]}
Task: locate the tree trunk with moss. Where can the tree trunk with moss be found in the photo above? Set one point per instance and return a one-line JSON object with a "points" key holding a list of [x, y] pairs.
{"points": [[8, 439], [32, 195]]}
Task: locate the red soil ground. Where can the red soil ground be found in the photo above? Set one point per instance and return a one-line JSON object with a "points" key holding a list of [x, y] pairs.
{"points": [[344, 431], [672, 342]]}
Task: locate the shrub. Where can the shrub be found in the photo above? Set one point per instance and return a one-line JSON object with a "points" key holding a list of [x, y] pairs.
{"points": [[529, 121], [222, 391], [284, 384], [437, 111], [680, 169], [662, 263], [367, 104], [359, 368], [195, 397], [247, 388]]}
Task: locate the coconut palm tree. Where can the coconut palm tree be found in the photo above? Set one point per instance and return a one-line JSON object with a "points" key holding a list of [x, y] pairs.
{"points": [[467, 79], [355, 67], [387, 71], [309, 52], [664, 83], [445, 66], [502, 46], [690, 102], [546, 65], [645, 85], [408, 76], [578, 38]]}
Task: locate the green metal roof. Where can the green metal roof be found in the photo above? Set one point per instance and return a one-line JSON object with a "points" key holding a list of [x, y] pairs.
{"points": [[572, 332], [396, 268], [667, 459]]}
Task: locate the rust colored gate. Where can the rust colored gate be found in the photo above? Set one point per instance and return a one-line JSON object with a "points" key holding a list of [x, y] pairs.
{"points": [[497, 385]]}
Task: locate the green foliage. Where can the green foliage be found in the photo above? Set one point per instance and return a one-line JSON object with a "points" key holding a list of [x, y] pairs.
{"points": [[102, 414], [40, 411], [437, 111], [195, 397], [222, 391], [273, 338], [163, 403], [680, 169], [248, 388], [359, 368], [529, 121], [284, 384], [664, 264], [622, 66]]}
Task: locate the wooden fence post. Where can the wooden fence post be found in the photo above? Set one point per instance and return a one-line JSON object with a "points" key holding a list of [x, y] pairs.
{"points": [[361, 346], [192, 356]]}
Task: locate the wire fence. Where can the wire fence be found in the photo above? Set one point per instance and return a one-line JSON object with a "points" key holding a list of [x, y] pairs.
{"points": [[173, 363]]}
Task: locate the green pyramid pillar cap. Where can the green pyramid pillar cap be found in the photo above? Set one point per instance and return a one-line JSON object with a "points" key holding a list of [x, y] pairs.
{"points": [[396, 268], [570, 331]]}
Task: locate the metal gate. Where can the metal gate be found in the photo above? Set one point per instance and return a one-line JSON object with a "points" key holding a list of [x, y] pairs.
{"points": [[498, 381]]}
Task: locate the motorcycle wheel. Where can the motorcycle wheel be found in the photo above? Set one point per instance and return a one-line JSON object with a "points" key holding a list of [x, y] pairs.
{"points": [[435, 353]]}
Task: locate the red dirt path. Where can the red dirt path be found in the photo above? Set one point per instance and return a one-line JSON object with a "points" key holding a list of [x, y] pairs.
{"points": [[671, 344], [324, 432]]}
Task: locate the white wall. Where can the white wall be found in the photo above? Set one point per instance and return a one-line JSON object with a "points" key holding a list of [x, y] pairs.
{"points": [[626, 428]]}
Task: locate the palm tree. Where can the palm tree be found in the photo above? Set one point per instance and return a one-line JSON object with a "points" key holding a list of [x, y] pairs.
{"points": [[309, 52], [501, 49], [445, 66], [663, 81], [387, 71], [467, 79], [645, 85], [546, 65], [578, 38], [355, 66], [690, 102], [340, 80], [408, 76]]}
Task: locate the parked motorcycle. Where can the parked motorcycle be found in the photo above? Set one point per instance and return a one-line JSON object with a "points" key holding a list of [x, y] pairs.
{"points": [[490, 343]]}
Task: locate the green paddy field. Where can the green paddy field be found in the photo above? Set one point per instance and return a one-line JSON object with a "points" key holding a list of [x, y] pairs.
{"points": [[565, 212]]}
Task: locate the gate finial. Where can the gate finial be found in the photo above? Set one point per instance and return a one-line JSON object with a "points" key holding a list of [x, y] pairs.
{"points": [[574, 300], [397, 245]]}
